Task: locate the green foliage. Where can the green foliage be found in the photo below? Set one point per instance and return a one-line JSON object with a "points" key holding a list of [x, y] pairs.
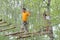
{"points": [[36, 7]]}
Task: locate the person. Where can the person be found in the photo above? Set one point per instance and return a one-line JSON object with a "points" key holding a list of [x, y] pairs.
{"points": [[25, 15], [46, 16]]}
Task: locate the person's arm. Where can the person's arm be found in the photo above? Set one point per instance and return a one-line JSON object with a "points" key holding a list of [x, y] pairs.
{"points": [[28, 13]]}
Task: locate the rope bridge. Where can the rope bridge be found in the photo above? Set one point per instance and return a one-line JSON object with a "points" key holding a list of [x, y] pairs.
{"points": [[3, 23], [22, 34], [39, 18]]}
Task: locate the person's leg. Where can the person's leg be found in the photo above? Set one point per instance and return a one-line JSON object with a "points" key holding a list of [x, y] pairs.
{"points": [[22, 27], [25, 26]]}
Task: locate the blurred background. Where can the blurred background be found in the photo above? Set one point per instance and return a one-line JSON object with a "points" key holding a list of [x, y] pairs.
{"points": [[10, 11]]}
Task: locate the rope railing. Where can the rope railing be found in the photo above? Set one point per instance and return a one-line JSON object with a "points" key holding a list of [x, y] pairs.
{"points": [[7, 24], [7, 29], [2, 22]]}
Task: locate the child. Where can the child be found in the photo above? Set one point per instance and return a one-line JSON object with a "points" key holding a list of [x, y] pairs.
{"points": [[25, 15]]}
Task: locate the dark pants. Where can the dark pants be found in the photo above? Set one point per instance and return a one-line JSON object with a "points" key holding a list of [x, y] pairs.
{"points": [[25, 26]]}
